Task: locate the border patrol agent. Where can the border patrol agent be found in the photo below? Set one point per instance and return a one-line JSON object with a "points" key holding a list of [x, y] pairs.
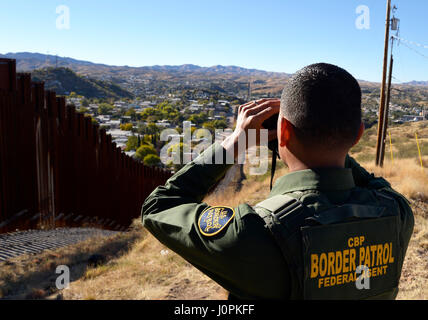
{"points": [[328, 230]]}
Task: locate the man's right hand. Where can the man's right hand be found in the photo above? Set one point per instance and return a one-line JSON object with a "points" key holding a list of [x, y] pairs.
{"points": [[251, 116]]}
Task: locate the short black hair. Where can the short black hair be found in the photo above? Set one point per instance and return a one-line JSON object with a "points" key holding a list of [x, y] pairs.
{"points": [[323, 102]]}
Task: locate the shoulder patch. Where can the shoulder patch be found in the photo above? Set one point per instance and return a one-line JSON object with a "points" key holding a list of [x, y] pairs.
{"points": [[215, 219]]}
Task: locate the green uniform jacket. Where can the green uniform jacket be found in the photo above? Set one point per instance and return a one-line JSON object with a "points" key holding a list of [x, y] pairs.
{"points": [[243, 257]]}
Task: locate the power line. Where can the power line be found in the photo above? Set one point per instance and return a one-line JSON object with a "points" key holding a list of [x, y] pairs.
{"points": [[397, 79], [405, 42], [413, 49], [411, 42]]}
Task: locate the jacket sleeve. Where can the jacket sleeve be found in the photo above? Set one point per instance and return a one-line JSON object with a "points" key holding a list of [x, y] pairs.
{"points": [[233, 257]]}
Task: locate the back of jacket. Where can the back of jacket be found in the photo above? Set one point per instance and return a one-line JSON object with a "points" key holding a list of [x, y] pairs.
{"points": [[349, 250]]}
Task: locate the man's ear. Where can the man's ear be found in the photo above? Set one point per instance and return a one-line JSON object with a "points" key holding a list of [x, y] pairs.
{"points": [[286, 131], [360, 133]]}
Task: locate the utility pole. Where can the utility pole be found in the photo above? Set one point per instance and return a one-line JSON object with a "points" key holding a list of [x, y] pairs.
{"points": [[382, 90], [385, 118], [394, 26]]}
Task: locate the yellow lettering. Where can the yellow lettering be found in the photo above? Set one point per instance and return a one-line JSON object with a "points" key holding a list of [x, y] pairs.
{"points": [[391, 258], [339, 279], [352, 254], [362, 255], [323, 264], [320, 280], [373, 250], [330, 263], [327, 282], [379, 255], [338, 262], [333, 281], [356, 241], [345, 260], [367, 257], [385, 254], [314, 265]]}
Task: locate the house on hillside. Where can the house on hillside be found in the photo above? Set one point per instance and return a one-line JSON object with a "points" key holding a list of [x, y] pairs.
{"points": [[113, 124], [163, 123], [412, 118]]}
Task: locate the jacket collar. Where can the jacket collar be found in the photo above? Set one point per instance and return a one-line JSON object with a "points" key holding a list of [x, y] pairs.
{"points": [[325, 179]]}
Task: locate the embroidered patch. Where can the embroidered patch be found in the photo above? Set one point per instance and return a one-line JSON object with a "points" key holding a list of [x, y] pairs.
{"points": [[215, 219]]}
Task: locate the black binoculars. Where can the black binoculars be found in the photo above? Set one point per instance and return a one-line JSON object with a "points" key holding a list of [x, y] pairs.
{"points": [[271, 124]]}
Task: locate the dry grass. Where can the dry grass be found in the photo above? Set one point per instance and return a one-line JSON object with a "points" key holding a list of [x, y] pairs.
{"points": [[148, 271], [405, 175], [414, 277]]}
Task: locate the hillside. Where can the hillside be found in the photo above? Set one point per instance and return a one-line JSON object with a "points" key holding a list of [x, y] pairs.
{"points": [[228, 79], [233, 80], [27, 61], [64, 81]]}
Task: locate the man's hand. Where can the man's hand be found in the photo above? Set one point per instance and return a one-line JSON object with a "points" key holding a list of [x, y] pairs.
{"points": [[251, 116]]}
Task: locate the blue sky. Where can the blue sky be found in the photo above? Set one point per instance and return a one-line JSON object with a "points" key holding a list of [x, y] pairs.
{"points": [[272, 35]]}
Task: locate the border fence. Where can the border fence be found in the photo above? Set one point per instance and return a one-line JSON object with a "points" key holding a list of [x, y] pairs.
{"points": [[57, 168]]}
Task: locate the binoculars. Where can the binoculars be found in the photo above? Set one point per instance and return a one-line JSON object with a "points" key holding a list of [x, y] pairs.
{"points": [[270, 124]]}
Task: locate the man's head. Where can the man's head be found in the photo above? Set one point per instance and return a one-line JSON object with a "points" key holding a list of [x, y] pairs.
{"points": [[320, 113]]}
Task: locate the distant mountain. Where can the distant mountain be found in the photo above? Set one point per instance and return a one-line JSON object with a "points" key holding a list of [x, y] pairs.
{"points": [[162, 79], [227, 79], [417, 83], [64, 81], [27, 61]]}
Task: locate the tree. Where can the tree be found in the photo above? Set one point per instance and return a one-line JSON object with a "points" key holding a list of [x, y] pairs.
{"points": [[126, 127], [152, 128], [143, 151], [176, 151], [151, 160], [141, 128], [132, 143], [216, 124], [83, 110], [131, 113], [105, 108], [85, 103]]}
